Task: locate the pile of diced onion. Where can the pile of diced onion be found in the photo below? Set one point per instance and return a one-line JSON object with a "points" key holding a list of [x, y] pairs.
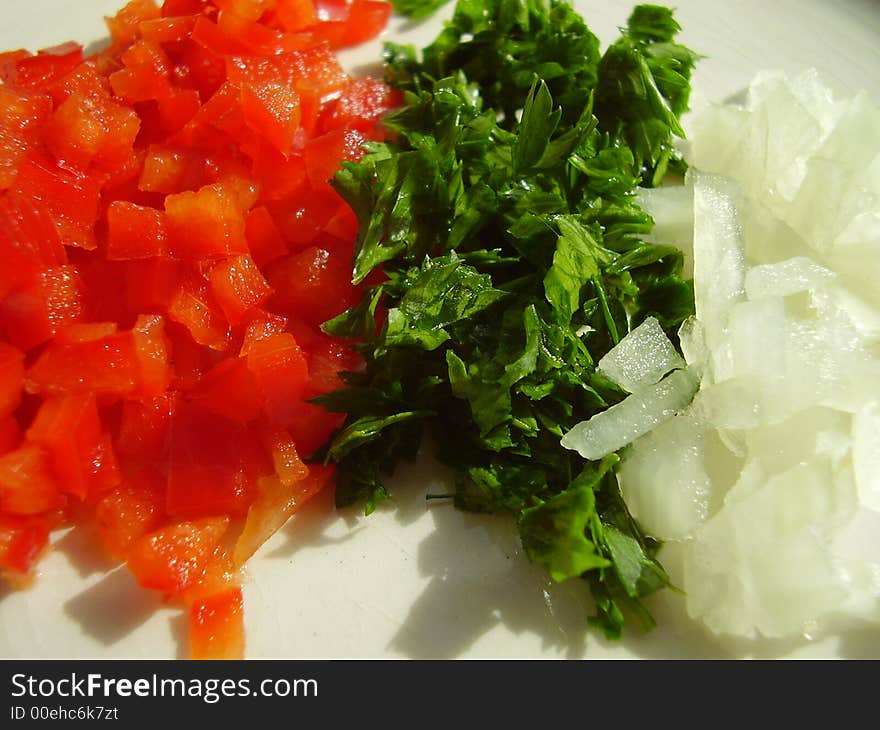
{"points": [[757, 456]]}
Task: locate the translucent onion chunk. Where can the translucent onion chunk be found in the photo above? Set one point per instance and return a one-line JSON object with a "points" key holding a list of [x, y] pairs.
{"points": [[634, 416], [767, 486], [677, 509], [641, 358]]}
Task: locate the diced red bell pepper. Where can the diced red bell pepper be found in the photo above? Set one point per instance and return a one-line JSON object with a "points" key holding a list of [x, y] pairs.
{"points": [[70, 201], [195, 307], [22, 114], [210, 36], [31, 315], [130, 511], [207, 223], [120, 181], [145, 53], [313, 69], [214, 464], [86, 332], [135, 232], [106, 470], [216, 627], [289, 467], [229, 389], [236, 34], [284, 179], [260, 326], [361, 104], [103, 284], [69, 429], [171, 170], [146, 76], [324, 154], [221, 574], [167, 30], [343, 224], [313, 285], [40, 70], [11, 378], [86, 131], [29, 243], [145, 427], [176, 110], [327, 357], [330, 32], [248, 9], [238, 286], [172, 8], [8, 59], [216, 123], [333, 10], [129, 363], [311, 427], [173, 557], [273, 111], [296, 15], [303, 220], [264, 239], [281, 372], [198, 69], [151, 350], [276, 502], [27, 482], [124, 27], [88, 80], [160, 179], [366, 20], [232, 171], [10, 434], [150, 284], [22, 540], [106, 365], [191, 360]]}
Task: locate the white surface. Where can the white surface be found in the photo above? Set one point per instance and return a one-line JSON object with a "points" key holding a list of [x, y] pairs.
{"points": [[428, 581]]}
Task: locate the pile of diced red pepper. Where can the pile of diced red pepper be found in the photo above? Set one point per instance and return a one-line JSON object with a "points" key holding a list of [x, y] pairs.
{"points": [[169, 246]]}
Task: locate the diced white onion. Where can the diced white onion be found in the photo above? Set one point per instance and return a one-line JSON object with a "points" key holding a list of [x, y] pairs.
{"points": [[677, 509], [788, 277], [866, 455], [672, 208], [634, 416], [719, 265], [641, 358], [769, 481]]}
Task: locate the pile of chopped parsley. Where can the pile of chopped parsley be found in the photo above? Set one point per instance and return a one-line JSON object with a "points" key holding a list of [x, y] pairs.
{"points": [[502, 215]]}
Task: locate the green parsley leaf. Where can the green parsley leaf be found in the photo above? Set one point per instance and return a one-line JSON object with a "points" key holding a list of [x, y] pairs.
{"points": [[554, 532], [502, 212], [444, 291], [417, 9]]}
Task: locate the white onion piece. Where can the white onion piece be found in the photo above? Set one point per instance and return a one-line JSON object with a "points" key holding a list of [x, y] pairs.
{"points": [[778, 523], [670, 497], [634, 416], [641, 358], [866, 456], [719, 267], [788, 277], [765, 143], [759, 566], [757, 333], [857, 547], [693, 342], [672, 208]]}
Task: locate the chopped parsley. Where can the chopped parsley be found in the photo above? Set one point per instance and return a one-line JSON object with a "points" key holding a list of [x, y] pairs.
{"points": [[503, 214]]}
